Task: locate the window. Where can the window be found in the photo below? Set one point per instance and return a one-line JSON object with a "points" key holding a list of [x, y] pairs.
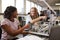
{"points": [[36, 5], [6, 3], [32, 4], [39, 8], [20, 6], [28, 6]]}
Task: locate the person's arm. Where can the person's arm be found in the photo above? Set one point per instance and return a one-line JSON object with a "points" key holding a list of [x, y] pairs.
{"points": [[12, 32], [37, 19], [23, 32]]}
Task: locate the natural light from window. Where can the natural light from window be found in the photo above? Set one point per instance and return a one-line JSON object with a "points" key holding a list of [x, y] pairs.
{"points": [[6, 3], [20, 6]]}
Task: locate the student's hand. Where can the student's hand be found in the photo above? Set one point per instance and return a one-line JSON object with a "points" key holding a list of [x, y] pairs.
{"points": [[26, 26]]}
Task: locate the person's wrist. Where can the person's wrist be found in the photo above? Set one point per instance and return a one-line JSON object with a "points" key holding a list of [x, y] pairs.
{"points": [[26, 26], [40, 17]]}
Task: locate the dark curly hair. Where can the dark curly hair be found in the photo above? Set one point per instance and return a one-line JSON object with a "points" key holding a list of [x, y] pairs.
{"points": [[9, 11]]}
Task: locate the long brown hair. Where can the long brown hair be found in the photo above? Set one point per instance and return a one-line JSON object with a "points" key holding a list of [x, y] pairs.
{"points": [[35, 11]]}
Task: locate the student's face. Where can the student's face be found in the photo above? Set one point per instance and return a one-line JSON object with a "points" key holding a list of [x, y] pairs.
{"points": [[15, 14], [33, 12]]}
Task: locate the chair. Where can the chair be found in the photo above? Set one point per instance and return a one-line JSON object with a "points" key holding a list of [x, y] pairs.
{"points": [[55, 33], [0, 32]]}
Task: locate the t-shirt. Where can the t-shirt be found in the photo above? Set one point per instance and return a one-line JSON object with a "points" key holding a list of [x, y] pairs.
{"points": [[28, 19], [13, 25]]}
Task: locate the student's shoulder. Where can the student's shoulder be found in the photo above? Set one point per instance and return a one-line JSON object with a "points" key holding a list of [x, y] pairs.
{"points": [[4, 21]]}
